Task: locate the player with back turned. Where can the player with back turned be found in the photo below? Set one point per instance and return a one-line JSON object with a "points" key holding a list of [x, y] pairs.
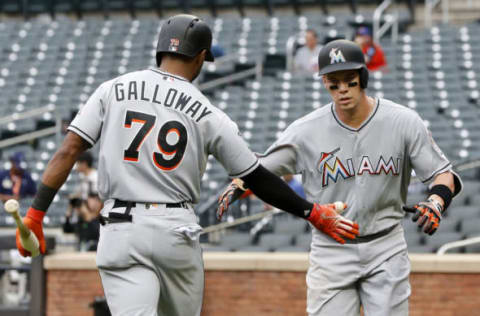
{"points": [[361, 150], [155, 131]]}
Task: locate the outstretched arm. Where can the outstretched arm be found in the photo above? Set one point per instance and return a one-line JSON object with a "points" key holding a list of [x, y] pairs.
{"points": [[53, 178], [273, 190]]}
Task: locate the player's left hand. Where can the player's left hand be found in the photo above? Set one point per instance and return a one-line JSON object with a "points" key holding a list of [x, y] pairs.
{"points": [[428, 215], [234, 190]]}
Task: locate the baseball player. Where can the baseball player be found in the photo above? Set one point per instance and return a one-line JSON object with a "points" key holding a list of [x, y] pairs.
{"points": [[155, 131], [363, 153]]}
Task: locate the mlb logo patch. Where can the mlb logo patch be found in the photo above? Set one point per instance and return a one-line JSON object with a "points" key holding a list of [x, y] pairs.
{"points": [[336, 56], [174, 43]]}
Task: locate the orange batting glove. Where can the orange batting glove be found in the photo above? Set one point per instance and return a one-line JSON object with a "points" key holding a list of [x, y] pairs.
{"points": [[326, 219], [33, 220]]}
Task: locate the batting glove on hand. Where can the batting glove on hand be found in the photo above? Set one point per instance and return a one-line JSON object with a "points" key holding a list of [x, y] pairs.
{"points": [[234, 190], [428, 214], [326, 219], [33, 220]]}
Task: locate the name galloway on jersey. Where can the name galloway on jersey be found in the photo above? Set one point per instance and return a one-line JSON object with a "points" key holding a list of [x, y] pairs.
{"points": [[333, 168], [136, 91]]}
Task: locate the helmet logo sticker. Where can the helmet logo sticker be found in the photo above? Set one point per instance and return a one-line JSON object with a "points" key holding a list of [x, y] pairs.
{"points": [[174, 43], [336, 56]]}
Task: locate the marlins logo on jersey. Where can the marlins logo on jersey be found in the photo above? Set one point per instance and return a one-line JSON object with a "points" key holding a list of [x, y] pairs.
{"points": [[336, 56], [350, 168]]}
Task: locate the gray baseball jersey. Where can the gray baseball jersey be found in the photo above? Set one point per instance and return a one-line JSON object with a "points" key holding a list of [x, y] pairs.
{"points": [[369, 167], [156, 131]]}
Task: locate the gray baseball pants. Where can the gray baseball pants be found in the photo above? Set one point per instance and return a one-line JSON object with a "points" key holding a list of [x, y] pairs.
{"points": [[152, 266], [372, 274]]}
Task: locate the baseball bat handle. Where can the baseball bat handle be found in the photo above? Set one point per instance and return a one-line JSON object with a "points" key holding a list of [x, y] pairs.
{"points": [[28, 239]]}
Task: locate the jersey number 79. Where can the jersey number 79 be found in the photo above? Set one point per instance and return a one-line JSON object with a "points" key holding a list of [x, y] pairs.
{"points": [[176, 150]]}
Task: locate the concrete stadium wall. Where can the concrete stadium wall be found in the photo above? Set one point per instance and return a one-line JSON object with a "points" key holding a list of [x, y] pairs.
{"points": [[260, 284]]}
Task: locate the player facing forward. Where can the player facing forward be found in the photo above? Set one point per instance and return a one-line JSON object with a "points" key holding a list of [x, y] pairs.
{"points": [[156, 130], [364, 154]]}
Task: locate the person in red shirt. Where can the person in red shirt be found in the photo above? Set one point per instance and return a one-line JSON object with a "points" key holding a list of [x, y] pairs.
{"points": [[374, 56]]}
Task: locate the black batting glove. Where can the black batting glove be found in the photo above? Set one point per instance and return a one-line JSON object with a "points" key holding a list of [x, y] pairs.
{"points": [[428, 215]]}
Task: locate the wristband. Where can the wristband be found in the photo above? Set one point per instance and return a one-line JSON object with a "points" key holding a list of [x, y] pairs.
{"points": [[43, 198], [444, 192]]}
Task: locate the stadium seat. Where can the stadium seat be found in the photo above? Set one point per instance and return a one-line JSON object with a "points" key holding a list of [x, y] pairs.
{"points": [[439, 239], [449, 224], [273, 241], [210, 248], [421, 249], [303, 241], [414, 239], [235, 241], [291, 226], [465, 212], [475, 248], [293, 249], [13, 7], [470, 226]]}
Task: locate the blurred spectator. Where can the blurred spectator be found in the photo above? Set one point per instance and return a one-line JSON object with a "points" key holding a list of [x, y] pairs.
{"points": [[17, 182], [294, 184], [374, 56], [85, 206], [217, 50], [306, 56]]}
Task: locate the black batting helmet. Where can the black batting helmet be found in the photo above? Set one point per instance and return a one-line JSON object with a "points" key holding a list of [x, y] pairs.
{"points": [[186, 35], [343, 55]]}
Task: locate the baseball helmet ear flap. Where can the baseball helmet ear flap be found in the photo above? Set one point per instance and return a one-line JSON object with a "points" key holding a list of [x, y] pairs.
{"points": [[363, 77]]}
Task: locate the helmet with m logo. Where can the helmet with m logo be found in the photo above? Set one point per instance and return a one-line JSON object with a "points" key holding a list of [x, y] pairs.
{"points": [[343, 55]]}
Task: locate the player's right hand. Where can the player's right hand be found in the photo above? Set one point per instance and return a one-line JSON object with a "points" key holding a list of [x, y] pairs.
{"points": [[234, 190], [326, 219], [33, 220]]}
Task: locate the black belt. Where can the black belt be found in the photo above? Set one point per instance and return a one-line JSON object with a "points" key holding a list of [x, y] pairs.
{"points": [[120, 203], [367, 238], [126, 216]]}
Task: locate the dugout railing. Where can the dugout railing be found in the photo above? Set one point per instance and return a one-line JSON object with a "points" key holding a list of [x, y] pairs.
{"points": [[32, 114]]}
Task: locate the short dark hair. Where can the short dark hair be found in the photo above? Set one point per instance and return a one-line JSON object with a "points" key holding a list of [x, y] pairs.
{"points": [[87, 158], [313, 32]]}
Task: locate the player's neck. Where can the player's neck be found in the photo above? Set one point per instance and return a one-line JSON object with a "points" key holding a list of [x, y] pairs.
{"points": [[177, 69], [356, 116]]}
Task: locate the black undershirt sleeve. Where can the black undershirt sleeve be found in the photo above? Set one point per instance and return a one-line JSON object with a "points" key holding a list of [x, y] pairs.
{"points": [[276, 192]]}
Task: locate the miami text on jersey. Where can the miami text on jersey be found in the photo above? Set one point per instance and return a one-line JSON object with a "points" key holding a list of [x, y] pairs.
{"points": [[332, 169], [137, 91]]}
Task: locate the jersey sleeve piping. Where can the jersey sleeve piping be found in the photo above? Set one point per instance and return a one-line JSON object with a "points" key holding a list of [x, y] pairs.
{"points": [[246, 171], [82, 134], [279, 147], [438, 171]]}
